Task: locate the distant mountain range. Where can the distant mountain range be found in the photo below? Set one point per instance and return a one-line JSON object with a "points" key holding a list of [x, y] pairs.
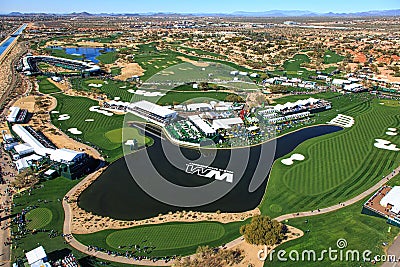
{"points": [[271, 13]]}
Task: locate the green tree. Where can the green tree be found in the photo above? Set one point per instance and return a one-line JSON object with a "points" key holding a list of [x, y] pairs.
{"points": [[262, 230]]}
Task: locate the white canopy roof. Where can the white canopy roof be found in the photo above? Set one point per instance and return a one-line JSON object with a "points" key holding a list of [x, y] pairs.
{"points": [[64, 155], [35, 255], [201, 124], [392, 198], [153, 108]]}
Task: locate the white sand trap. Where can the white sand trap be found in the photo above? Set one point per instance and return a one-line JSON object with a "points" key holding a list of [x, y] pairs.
{"points": [[391, 133], [385, 144], [95, 85], [105, 82], [89, 120], [122, 87], [98, 110], [117, 98], [146, 93], [55, 112], [392, 129], [343, 121], [328, 55], [131, 91], [74, 131], [290, 161], [64, 117], [381, 103]]}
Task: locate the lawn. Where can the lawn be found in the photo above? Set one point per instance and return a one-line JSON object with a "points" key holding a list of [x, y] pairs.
{"points": [[168, 239], [52, 191], [46, 87], [48, 215], [112, 88], [362, 232], [390, 103], [189, 97], [153, 61], [93, 132], [39, 218], [62, 53], [331, 57], [120, 135], [108, 58], [338, 166], [292, 67]]}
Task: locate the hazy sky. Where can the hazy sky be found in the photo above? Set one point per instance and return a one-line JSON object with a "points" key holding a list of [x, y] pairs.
{"points": [[192, 6]]}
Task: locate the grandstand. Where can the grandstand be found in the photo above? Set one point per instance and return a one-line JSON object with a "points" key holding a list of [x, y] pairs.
{"points": [[17, 115], [29, 64], [152, 112]]}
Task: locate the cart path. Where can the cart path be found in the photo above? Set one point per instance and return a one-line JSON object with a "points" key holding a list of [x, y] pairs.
{"points": [[79, 246]]}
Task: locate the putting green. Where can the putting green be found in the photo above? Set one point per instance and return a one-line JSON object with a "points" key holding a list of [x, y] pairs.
{"points": [[170, 236], [39, 218], [122, 134]]}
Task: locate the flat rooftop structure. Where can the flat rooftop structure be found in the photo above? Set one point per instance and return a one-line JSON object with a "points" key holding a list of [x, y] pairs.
{"points": [[392, 200], [154, 109], [12, 117], [29, 63], [202, 125], [383, 202], [226, 123]]}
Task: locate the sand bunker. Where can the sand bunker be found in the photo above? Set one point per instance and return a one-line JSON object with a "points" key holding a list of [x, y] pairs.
{"points": [[117, 98], [122, 87], [128, 70], [89, 120], [64, 117], [55, 112], [98, 110], [290, 161], [193, 62], [95, 85], [145, 93], [343, 121], [385, 144], [74, 131], [391, 131]]}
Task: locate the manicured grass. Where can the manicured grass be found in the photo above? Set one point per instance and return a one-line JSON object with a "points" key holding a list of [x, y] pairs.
{"points": [[47, 87], [121, 135], [149, 57], [52, 191], [92, 132], [292, 67], [362, 232], [168, 239], [338, 166], [112, 89], [62, 53], [331, 57], [108, 58], [390, 103], [39, 218], [179, 97]]}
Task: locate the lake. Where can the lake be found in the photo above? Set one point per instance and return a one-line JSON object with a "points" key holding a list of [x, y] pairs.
{"points": [[134, 192], [90, 52]]}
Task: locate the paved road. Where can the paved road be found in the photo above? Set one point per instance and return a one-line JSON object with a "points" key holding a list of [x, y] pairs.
{"points": [[394, 249], [79, 246]]}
